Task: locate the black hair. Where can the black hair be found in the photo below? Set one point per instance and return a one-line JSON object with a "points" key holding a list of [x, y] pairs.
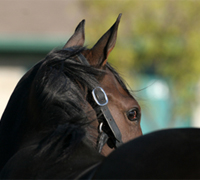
{"points": [[61, 91]]}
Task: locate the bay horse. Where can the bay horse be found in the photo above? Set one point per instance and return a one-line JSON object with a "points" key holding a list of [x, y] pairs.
{"points": [[67, 113]]}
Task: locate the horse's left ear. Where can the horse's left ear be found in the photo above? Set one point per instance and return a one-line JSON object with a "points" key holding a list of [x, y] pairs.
{"points": [[78, 38], [105, 44]]}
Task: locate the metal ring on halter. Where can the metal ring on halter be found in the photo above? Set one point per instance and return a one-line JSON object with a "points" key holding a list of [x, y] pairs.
{"points": [[97, 92], [100, 127]]}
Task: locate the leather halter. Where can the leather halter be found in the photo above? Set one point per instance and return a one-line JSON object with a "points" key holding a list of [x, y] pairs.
{"points": [[101, 100]]}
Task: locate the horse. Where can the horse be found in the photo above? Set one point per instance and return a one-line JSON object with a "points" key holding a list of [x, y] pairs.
{"points": [[67, 113]]}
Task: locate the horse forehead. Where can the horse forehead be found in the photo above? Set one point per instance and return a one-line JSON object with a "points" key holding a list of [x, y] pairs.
{"points": [[116, 93], [111, 86]]}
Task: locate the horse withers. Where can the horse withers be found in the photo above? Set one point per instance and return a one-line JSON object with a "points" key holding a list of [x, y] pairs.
{"points": [[67, 112]]}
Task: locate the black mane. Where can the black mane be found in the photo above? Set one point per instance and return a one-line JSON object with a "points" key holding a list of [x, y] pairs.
{"points": [[61, 91], [52, 94]]}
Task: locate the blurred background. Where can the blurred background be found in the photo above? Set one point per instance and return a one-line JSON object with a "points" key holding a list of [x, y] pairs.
{"points": [[157, 51]]}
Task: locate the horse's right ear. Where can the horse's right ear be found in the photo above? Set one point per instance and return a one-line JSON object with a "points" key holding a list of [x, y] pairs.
{"points": [[78, 38]]}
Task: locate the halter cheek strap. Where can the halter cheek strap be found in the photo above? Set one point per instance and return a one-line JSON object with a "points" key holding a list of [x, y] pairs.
{"points": [[101, 99]]}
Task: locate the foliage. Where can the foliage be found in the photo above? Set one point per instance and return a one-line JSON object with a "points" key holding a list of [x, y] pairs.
{"points": [[156, 36]]}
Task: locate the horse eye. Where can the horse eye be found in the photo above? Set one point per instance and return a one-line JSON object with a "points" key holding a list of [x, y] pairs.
{"points": [[133, 114]]}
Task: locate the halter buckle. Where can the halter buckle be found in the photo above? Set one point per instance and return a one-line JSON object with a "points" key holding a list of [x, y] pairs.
{"points": [[100, 96]]}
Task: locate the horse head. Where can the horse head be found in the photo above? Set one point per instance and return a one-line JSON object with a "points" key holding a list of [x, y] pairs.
{"points": [[124, 108], [72, 97]]}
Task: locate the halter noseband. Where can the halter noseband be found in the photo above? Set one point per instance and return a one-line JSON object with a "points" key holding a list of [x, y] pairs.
{"points": [[101, 100]]}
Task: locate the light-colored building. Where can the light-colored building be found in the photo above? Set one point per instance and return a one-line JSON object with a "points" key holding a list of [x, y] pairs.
{"points": [[28, 30]]}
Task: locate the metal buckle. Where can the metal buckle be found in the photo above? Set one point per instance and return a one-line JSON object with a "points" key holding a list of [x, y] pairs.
{"points": [[94, 94]]}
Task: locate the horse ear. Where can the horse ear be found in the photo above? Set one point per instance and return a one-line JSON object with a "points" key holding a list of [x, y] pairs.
{"points": [[105, 44], [78, 38]]}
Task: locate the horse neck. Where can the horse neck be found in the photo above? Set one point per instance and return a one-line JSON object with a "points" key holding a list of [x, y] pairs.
{"points": [[83, 158], [14, 118], [45, 166]]}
